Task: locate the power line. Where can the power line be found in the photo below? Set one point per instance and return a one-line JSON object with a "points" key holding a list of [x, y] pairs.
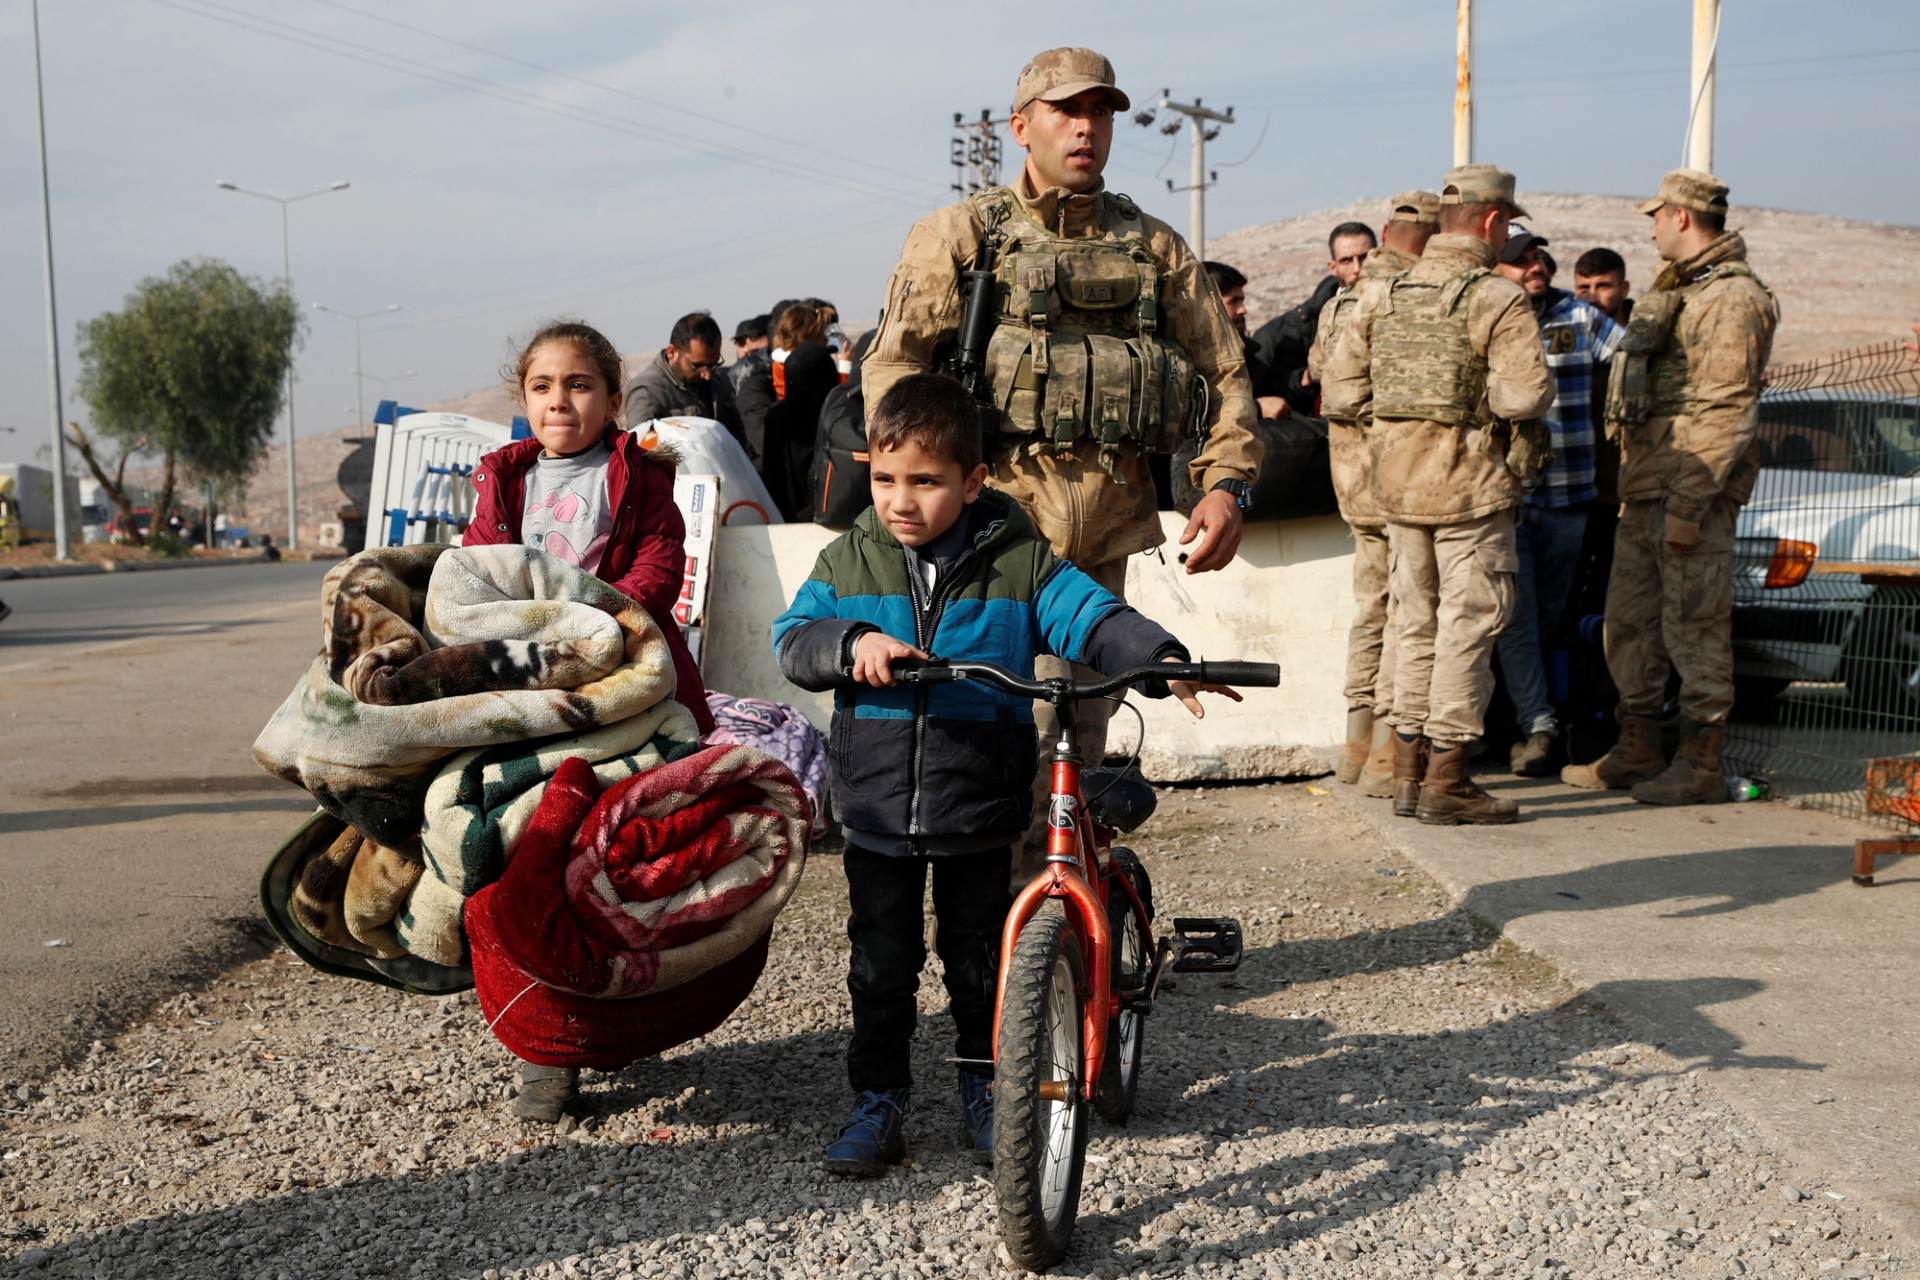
{"points": [[784, 244], [482, 87], [921, 179]]}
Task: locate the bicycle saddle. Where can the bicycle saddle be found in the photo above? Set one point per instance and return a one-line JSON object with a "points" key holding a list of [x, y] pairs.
{"points": [[1128, 799]]}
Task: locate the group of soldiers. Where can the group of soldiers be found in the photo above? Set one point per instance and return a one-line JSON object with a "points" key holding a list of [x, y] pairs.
{"points": [[1111, 342], [1434, 384]]}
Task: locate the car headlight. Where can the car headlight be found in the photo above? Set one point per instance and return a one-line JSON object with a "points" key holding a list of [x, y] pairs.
{"points": [[1790, 563]]}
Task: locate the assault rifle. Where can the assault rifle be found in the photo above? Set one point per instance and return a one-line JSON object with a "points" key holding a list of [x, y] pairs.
{"points": [[979, 314]]}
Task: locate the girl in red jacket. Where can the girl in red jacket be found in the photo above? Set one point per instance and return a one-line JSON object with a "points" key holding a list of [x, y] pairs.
{"points": [[585, 490]]}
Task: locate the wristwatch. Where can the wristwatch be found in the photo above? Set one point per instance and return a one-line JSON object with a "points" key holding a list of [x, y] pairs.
{"points": [[1240, 489]]}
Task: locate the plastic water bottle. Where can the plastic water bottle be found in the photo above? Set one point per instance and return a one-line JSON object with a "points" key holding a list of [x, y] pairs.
{"points": [[1741, 789]]}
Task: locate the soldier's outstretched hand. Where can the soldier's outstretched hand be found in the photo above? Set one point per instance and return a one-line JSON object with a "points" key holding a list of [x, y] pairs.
{"points": [[1913, 348], [1188, 692], [1216, 522]]}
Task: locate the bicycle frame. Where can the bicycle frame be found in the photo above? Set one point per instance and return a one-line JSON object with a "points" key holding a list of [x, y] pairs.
{"points": [[1081, 880]]}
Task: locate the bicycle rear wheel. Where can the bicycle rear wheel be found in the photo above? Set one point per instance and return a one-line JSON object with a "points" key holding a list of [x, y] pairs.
{"points": [[1040, 1142], [1119, 1082]]}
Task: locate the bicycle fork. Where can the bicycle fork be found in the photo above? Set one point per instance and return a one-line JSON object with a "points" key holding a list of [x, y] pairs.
{"points": [[1069, 833]]}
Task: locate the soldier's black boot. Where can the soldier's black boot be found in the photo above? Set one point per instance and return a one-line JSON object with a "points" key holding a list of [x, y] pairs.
{"points": [[1409, 766]]}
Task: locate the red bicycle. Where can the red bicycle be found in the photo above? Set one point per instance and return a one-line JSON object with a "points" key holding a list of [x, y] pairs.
{"points": [[1077, 983]]}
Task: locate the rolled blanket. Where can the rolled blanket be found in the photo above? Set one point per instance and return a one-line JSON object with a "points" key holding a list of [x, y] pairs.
{"points": [[349, 894], [556, 1029], [636, 919], [478, 806], [431, 650], [664, 876], [781, 729]]}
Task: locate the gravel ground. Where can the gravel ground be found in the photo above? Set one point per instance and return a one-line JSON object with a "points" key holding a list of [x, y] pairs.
{"points": [[1384, 1089]]}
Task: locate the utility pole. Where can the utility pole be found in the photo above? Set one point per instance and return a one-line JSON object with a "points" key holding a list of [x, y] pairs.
{"points": [[286, 273], [975, 152], [1706, 47], [1197, 118], [62, 548], [1463, 85], [359, 366]]}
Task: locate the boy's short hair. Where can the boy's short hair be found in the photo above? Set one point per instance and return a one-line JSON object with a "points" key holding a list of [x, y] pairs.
{"points": [[934, 412]]}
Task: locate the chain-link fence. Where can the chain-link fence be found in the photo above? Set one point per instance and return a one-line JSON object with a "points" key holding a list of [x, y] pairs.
{"points": [[1826, 622]]}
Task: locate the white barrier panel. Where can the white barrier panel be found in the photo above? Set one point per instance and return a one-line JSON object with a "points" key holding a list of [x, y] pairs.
{"points": [[1286, 598], [421, 489]]}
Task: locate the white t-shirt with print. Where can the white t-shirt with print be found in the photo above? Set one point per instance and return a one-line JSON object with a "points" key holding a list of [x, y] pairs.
{"points": [[567, 514]]}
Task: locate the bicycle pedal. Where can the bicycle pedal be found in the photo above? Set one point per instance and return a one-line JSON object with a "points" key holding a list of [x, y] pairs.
{"points": [[1206, 944]]}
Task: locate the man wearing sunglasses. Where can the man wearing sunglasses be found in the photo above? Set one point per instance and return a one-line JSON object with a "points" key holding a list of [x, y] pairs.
{"points": [[680, 381]]}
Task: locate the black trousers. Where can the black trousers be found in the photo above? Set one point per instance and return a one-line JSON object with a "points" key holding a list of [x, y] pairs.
{"points": [[888, 932]]}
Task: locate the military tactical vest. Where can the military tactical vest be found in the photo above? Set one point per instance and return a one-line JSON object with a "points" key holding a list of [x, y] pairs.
{"points": [[1649, 359], [1424, 364], [1077, 353]]}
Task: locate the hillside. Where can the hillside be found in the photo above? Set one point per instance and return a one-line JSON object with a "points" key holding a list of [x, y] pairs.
{"points": [[1841, 283]]}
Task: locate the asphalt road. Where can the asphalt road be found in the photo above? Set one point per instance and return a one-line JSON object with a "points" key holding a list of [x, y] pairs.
{"points": [[133, 820]]}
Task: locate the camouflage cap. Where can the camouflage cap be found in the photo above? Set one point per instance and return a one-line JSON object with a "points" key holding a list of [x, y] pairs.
{"points": [[1690, 189], [1415, 206], [1058, 74], [1480, 184]]}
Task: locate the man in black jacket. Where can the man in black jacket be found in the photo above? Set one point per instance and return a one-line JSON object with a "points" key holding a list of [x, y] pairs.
{"points": [[1277, 361]]}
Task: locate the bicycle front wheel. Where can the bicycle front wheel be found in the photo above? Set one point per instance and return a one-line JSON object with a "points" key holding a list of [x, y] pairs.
{"points": [[1039, 1109]]}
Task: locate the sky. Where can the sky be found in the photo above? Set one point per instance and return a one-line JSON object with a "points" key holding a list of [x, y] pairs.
{"points": [[627, 162]]}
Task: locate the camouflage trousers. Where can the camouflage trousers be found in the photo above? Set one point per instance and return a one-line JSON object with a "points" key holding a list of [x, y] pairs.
{"points": [[1029, 858], [1453, 588], [1666, 606], [1372, 640]]}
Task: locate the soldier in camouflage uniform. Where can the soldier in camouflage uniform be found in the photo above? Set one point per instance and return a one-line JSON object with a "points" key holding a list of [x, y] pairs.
{"points": [[1112, 344], [1447, 361], [1368, 757], [1683, 408]]}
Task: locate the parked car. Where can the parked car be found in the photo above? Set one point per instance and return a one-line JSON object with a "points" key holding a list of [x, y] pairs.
{"points": [[1824, 547]]}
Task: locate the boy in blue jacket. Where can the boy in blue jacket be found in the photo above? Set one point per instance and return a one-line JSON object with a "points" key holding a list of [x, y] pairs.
{"points": [[937, 775]]}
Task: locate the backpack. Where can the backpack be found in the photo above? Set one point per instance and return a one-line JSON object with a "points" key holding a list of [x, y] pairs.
{"points": [[1296, 474], [838, 479]]}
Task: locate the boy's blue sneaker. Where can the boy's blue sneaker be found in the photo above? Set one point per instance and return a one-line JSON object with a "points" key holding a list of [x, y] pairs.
{"points": [[976, 1100], [874, 1135]]}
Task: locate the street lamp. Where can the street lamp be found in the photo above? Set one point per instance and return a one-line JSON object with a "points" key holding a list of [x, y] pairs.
{"points": [[381, 382], [286, 273], [360, 377]]}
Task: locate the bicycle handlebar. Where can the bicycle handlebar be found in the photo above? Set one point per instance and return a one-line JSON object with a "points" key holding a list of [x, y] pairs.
{"points": [[941, 671]]}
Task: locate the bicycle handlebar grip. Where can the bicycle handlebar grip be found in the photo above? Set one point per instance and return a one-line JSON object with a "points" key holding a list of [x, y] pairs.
{"points": [[1251, 675]]}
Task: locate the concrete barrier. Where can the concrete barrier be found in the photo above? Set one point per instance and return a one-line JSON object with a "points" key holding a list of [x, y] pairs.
{"points": [[1287, 598]]}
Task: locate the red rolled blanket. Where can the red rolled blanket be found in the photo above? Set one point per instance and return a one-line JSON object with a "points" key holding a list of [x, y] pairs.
{"points": [[636, 919]]}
